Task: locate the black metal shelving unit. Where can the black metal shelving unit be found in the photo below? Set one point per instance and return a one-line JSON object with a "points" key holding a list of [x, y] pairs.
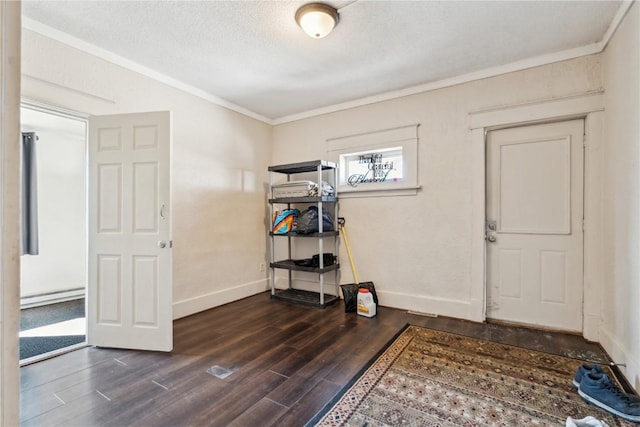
{"points": [[323, 169]]}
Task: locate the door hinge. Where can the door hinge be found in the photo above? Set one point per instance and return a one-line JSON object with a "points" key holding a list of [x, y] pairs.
{"points": [[583, 224]]}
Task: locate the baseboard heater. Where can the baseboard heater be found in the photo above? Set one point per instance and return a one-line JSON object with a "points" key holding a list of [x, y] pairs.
{"points": [[51, 297]]}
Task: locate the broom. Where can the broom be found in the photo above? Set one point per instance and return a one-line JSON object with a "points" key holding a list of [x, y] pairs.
{"points": [[350, 291]]}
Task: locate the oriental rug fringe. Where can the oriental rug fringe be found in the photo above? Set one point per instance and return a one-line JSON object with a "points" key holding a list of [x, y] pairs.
{"points": [[438, 379]]}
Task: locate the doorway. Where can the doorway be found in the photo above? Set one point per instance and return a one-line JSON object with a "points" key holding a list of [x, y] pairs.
{"points": [[534, 189], [53, 275]]}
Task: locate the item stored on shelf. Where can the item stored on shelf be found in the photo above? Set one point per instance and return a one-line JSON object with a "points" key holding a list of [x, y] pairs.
{"points": [[314, 262], [308, 221], [366, 306], [286, 221], [301, 189], [327, 190], [351, 290], [294, 189]]}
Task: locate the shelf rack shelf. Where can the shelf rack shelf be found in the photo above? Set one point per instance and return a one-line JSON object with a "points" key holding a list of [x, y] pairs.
{"points": [[289, 264], [299, 296]]}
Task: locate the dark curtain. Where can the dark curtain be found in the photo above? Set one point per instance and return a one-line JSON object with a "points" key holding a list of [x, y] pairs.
{"points": [[29, 194]]}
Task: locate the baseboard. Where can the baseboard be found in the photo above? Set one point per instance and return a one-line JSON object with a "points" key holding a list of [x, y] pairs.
{"points": [[200, 303], [621, 354], [427, 304], [468, 310], [51, 298]]}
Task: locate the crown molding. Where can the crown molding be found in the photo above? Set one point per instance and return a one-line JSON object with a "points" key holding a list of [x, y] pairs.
{"points": [[615, 23]]}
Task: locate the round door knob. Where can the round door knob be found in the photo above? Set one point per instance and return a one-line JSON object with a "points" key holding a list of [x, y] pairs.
{"points": [[491, 238], [162, 244]]}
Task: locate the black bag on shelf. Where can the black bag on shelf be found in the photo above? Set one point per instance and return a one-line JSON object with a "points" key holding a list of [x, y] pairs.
{"points": [[308, 221], [314, 262]]}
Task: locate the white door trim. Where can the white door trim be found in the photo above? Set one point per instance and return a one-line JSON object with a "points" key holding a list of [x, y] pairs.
{"points": [[32, 104], [10, 17], [588, 106]]}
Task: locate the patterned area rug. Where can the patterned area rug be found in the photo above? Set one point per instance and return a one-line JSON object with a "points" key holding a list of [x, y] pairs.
{"points": [[432, 378]]}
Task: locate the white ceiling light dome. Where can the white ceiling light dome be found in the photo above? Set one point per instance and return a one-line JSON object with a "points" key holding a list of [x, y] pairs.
{"points": [[317, 19]]}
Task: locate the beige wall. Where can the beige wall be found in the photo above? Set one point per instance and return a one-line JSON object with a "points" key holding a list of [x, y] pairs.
{"points": [[219, 163], [417, 249], [621, 225]]}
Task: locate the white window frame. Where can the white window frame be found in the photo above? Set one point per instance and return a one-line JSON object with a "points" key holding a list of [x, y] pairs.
{"points": [[405, 137]]}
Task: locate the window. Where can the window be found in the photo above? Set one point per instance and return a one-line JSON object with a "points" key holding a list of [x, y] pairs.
{"points": [[377, 162]]}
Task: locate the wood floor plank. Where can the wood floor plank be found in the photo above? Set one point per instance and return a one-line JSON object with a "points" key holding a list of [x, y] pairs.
{"points": [[309, 405], [51, 369], [325, 361], [106, 374], [311, 349], [264, 413], [240, 399], [203, 406], [123, 407], [68, 388], [33, 404], [80, 413], [216, 353], [245, 352], [361, 353], [260, 363], [192, 396]]}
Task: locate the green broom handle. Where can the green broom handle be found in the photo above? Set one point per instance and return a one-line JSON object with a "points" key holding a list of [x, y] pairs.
{"points": [[341, 222]]}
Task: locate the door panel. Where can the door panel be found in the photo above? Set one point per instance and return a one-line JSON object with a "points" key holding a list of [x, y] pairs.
{"points": [[109, 290], [553, 271], [145, 285], [109, 198], [145, 198], [129, 294], [535, 186], [534, 227], [510, 280]]}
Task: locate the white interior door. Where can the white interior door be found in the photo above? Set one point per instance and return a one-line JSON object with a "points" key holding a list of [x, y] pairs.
{"points": [[129, 290], [534, 225]]}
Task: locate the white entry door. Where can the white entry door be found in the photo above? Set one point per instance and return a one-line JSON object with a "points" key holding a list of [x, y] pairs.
{"points": [[534, 225], [129, 290]]}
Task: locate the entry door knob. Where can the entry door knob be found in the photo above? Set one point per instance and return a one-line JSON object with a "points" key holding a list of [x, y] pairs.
{"points": [[491, 238], [162, 244]]}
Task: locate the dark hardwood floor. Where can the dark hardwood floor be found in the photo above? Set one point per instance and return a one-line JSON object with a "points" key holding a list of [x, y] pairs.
{"points": [[286, 362]]}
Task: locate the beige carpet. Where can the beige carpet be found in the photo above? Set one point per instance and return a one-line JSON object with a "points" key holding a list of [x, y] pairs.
{"points": [[432, 378]]}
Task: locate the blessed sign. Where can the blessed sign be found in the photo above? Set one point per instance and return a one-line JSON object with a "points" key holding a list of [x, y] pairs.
{"points": [[377, 170]]}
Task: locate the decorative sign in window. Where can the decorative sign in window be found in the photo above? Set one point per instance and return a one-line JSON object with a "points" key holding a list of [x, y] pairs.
{"points": [[383, 160], [383, 165]]}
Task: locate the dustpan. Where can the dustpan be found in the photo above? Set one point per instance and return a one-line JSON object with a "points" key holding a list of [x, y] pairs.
{"points": [[350, 291]]}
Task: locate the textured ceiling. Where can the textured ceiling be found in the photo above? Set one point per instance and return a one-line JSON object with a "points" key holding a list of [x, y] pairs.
{"points": [[253, 54]]}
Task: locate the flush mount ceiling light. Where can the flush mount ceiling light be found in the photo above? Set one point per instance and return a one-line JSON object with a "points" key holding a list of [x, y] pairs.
{"points": [[317, 19]]}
